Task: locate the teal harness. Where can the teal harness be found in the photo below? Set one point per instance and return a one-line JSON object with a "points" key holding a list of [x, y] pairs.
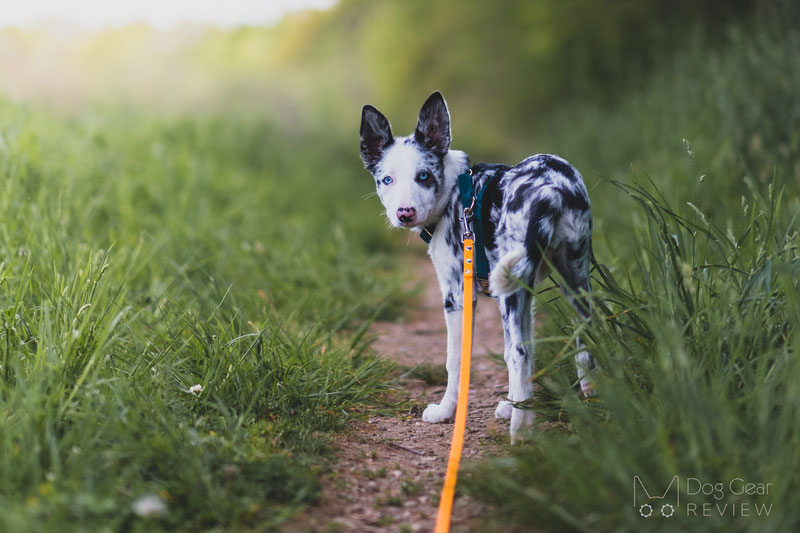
{"points": [[473, 206]]}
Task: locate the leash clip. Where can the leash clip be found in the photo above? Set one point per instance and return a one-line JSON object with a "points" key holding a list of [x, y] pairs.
{"points": [[466, 219]]}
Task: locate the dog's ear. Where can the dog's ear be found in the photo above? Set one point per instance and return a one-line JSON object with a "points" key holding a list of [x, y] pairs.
{"points": [[433, 126], [376, 136]]}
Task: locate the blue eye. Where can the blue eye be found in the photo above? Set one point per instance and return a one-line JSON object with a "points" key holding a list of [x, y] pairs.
{"points": [[387, 180], [422, 176]]}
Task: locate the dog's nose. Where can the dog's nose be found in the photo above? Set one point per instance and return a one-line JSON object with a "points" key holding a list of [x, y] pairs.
{"points": [[406, 214]]}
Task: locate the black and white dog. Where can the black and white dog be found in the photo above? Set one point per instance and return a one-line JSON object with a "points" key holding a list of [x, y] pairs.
{"points": [[537, 214]]}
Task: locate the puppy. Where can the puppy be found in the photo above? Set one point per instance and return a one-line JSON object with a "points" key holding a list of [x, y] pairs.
{"points": [[533, 216]]}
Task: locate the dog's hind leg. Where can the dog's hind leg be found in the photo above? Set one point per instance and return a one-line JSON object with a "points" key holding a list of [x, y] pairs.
{"points": [[516, 311], [521, 262], [572, 262]]}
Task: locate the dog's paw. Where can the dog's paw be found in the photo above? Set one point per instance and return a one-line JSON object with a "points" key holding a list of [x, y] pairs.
{"points": [[503, 410], [521, 425], [436, 413], [587, 388]]}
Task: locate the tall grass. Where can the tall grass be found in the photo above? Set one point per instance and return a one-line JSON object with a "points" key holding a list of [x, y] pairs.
{"points": [[142, 256], [696, 307], [697, 342]]}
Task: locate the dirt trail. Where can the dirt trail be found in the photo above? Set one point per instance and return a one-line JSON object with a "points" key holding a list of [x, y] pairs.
{"points": [[390, 469]]}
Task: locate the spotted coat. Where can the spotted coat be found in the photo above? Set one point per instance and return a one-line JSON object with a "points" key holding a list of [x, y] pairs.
{"points": [[539, 218]]}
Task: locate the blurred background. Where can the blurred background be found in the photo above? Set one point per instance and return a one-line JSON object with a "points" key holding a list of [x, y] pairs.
{"points": [[520, 77]]}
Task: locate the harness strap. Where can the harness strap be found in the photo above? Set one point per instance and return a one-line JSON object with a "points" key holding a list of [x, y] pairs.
{"points": [[427, 233], [474, 203], [465, 189]]}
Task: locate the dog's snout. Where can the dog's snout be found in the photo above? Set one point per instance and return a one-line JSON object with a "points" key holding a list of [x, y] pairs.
{"points": [[406, 214]]}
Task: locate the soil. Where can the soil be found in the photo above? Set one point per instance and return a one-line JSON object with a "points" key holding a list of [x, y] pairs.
{"points": [[390, 468]]}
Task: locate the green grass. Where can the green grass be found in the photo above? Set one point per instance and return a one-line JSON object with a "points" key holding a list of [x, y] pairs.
{"points": [[697, 306], [142, 255], [697, 342]]}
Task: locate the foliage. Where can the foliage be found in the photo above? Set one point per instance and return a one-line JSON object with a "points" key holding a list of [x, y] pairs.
{"points": [[697, 340], [696, 309], [142, 257]]}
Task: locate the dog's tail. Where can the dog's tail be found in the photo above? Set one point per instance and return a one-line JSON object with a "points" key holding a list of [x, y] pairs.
{"points": [[511, 270], [517, 267]]}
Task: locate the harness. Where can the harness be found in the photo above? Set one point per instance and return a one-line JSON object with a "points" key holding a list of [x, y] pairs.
{"points": [[474, 206]]}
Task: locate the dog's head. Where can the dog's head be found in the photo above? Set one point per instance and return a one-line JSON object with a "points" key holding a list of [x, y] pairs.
{"points": [[408, 171]]}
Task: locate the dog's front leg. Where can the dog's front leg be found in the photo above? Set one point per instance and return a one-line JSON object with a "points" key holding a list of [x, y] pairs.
{"points": [[445, 252], [445, 410]]}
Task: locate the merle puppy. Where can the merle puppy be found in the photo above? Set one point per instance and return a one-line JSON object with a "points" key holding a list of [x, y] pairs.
{"points": [[535, 215]]}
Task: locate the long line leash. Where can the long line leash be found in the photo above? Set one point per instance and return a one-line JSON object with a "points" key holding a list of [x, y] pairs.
{"points": [[448, 490]]}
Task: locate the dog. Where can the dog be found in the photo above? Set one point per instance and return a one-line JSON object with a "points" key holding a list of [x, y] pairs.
{"points": [[537, 215]]}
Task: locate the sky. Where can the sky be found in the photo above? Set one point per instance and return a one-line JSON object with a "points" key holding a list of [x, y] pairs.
{"points": [[157, 13]]}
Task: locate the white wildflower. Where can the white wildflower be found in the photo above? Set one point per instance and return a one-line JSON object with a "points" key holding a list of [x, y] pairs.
{"points": [[149, 505], [196, 389]]}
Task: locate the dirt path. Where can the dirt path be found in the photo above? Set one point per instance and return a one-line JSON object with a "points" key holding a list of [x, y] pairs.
{"points": [[391, 468]]}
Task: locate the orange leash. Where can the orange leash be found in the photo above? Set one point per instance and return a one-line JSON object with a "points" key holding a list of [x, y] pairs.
{"points": [[448, 490]]}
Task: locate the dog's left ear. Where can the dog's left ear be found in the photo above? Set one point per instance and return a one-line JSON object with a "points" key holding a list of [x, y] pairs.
{"points": [[433, 126]]}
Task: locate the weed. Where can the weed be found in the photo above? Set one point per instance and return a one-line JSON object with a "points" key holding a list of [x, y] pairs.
{"points": [[430, 374]]}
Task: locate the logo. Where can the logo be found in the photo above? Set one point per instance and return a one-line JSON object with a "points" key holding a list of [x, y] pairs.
{"points": [[736, 497], [655, 503]]}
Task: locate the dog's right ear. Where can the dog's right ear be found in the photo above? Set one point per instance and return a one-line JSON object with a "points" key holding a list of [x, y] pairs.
{"points": [[376, 136]]}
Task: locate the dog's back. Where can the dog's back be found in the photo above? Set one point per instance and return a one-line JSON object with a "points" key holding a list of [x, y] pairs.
{"points": [[539, 207]]}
